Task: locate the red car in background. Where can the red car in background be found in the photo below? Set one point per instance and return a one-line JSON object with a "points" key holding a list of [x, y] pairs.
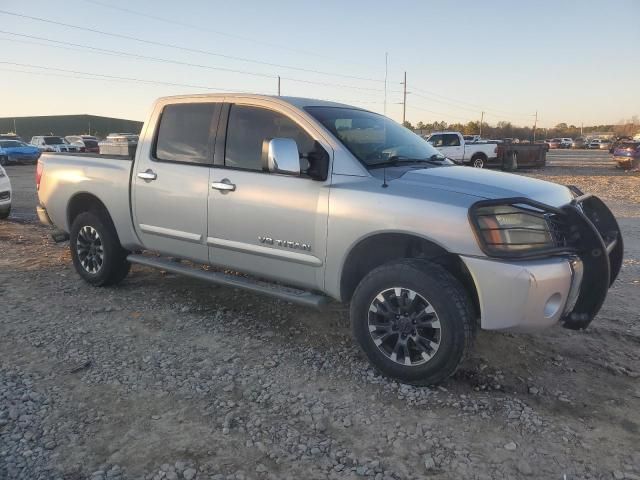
{"points": [[627, 155], [87, 143], [554, 143]]}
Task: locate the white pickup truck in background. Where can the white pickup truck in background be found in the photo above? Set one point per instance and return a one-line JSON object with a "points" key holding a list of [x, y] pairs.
{"points": [[454, 146]]}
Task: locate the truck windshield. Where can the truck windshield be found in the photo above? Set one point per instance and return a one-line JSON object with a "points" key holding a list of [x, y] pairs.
{"points": [[373, 138]]}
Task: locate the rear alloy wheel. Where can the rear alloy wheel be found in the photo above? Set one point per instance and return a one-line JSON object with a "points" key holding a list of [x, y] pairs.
{"points": [[413, 320], [96, 252], [477, 162], [90, 249]]}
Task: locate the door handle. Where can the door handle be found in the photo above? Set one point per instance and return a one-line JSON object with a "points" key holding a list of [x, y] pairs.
{"points": [[148, 174], [224, 185]]}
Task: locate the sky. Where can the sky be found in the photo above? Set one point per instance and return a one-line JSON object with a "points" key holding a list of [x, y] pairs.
{"points": [[571, 61]]}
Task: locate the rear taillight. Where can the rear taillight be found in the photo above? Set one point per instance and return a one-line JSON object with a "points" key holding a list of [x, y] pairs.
{"points": [[39, 169]]}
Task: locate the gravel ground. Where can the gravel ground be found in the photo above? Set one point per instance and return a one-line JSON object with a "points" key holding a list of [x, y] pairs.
{"points": [[164, 377]]}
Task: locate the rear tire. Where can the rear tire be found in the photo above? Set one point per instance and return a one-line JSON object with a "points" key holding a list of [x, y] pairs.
{"points": [[478, 161], [96, 252], [413, 320]]}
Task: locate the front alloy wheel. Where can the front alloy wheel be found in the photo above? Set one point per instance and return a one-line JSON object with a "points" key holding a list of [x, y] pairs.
{"points": [[404, 326], [413, 320]]}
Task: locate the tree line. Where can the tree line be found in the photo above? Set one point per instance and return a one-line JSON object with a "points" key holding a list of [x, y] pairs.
{"points": [[508, 130]]}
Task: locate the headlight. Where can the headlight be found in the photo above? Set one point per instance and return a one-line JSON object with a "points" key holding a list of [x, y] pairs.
{"points": [[505, 230]]}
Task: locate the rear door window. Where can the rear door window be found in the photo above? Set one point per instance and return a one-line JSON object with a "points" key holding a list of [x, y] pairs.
{"points": [[186, 133], [450, 140]]}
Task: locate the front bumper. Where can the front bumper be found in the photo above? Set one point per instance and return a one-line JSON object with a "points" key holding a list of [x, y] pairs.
{"points": [[524, 295], [566, 284]]}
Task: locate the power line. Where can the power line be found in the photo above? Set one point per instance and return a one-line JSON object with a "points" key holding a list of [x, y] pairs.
{"points": [[477, 108], [187, 49], [77, 46], [115, 77], [174, 21], [100, 76], [437, 113]]}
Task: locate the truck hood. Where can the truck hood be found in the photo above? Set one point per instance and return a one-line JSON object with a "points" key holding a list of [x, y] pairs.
{"points": [[486, 184]]}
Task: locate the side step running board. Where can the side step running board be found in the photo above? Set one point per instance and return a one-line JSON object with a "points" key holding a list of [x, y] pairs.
{"points": [[288, 294]]}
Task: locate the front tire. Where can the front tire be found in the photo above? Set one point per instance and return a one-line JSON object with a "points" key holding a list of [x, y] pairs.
{"points": [[4, 213], [96, 252], [413, 320]]}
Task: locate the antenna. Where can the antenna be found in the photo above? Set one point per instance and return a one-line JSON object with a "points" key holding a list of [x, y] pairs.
{"points": [[386, 71]]}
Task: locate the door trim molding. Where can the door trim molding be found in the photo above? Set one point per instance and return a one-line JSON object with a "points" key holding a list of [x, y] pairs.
{"points": [[262, 251], [169, 232]]}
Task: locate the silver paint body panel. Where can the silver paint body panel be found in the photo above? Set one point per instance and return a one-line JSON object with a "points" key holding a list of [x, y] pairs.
{"points": [[180, 214]]}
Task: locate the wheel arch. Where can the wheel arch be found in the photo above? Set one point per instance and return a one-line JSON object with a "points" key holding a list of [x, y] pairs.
{"points": [[382, 247], [87, 202]]}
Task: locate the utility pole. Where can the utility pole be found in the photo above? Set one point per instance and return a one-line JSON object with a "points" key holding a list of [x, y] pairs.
{"points": [[581, 127], [15, 130], [404, 99], [535, 124], [481, 120], [278, 85]]}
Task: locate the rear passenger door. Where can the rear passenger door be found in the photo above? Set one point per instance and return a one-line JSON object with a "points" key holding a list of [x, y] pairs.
{"points": [[271, 225], [171, 180]]}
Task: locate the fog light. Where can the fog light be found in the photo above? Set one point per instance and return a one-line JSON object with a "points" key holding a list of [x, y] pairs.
{"points": [[553, 305]]}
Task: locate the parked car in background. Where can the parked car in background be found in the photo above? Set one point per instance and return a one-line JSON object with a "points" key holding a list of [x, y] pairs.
{"points": [[10, 136], [627, 155], [15, 151], [86, 143], [343, 204], [554, 143], [619, 141], [594, 143], [53, 143], [453, 145], [566, 142], [5, 194], [605, 144], [579, 142]]}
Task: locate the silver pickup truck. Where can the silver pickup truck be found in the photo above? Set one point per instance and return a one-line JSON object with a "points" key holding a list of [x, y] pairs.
{"points": [[311, 200]]}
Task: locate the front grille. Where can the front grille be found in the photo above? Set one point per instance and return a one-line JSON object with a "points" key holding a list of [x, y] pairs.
{"points": [[5, 195]]}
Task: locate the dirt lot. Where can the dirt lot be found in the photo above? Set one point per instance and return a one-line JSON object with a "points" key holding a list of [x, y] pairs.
{"points": [[164, 377]]}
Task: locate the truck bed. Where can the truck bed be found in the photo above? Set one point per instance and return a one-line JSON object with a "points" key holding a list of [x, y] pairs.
{"points": [[66, 177]]}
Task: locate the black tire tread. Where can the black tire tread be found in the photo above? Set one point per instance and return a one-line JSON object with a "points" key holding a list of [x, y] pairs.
{"points": [[452, 289], [117, 267]]}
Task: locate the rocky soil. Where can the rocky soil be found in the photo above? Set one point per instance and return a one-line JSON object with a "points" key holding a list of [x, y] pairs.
{"points": [[164, 377]]}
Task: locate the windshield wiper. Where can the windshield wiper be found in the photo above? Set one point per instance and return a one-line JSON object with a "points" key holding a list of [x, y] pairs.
{"points": [[394, 160]]}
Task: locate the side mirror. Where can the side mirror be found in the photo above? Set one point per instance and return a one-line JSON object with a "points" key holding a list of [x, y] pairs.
{"points": [[283, 156]]}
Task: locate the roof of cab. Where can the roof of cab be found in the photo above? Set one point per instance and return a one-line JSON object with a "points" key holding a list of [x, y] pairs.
{"points": [[298, 102]]}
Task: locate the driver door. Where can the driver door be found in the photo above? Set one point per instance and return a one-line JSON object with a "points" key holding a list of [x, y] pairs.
{"points": [[271, 225]]}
